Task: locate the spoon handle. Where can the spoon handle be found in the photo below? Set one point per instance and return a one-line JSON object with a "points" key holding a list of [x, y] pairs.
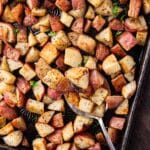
{"points": [[107, 137]]}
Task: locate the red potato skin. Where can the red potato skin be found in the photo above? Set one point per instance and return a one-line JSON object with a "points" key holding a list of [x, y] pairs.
{"points": [[134, 8], [127, 40], [102, 52], [123, 1], [23, 85], [56, 137], [7, 112], [64, 5], [2, 3], [53, 94], [98, 23], [56, 25], [11, 52], [51, 146], [95, 147], [60, 62], [22, 35], [88, 25], [89, 91], [96, 80], [20, 98], [34, 3], [116, 25], [118, 82], [78, 4], [117, 50], [113, 101], [48, 4], [78, 25], [117, 123], [73, 147], [29, 20], [57, 121]]}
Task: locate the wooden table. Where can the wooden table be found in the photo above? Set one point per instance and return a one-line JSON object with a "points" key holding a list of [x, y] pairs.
{"points": [[140, 136]]}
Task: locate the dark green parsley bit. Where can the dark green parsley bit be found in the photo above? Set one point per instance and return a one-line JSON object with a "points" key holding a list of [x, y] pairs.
{"points": [[122, 18], [33, 83], [85, 59], [118, 33], [16, 30], [51, 33]]}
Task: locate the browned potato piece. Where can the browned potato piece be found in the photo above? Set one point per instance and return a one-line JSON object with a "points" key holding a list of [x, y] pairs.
{"points": [[39, 144], [4, 64], [90, 14], [6, 129], [146, 6], [73, 37], [113, 133], [95, 3], [64, 146], [57, 121]]}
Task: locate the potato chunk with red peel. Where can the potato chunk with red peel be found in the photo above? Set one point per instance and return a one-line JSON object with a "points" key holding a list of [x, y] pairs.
{"points": [[65, 146], [7, 111], [102, 52], [84, 141], [32, 3], [113, 101], [146, 6], [113, 133], [64, 5], [86, 43], [54, 94], [117, 123], [95, 147], [56, 137], [29, 20], [98, 23], [55, 23], [127, 41], [10, 99], [7, 32], [118, 82], [57, 121], [116, 24], [87, 26], [134, 8]]}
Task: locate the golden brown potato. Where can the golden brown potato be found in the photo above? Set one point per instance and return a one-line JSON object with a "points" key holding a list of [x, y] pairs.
{"points": [[38, 12], [146, 6], [6, 129], [141, 37], [64, 146], [4, 64], [73, 37], [90, 14], [32, 39], [39, 144], [95, 3], [22, 47]]}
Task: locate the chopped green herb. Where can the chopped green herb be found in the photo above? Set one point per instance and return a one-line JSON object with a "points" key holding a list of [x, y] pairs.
{"points": [[118, 33], [122, 17], [33, 83], [80, 65], [85, 59], [116, 10], [16, 30], [51, 33]]}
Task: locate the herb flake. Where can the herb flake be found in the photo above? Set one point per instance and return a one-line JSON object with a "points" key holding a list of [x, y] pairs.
{"points": [[51, 33], [118, 33], [33, 83], [85, 59]]}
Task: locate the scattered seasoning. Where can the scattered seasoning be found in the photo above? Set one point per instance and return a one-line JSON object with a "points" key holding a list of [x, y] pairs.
{"points": [[51, 33], [33, 83], [118, 33]]}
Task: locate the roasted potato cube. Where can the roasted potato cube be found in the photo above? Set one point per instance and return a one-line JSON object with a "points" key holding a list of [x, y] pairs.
{"points": [[47, 100], [13, 139], [117, 122], [38, 12], [106, 37], [20, 98], [56, 137], [35, 106], [7, 77], [100, 138], [86, 105], [102, 52], [98, 23], [42, 38], [95, 3], [83, 141], [67, 131], [32, 41], [146, 6], [99, 110], [113, 101], [38, 90], [54, 94], [64, 5], [49, 53], [87, 26], [44, 129], [6, 129], [41, 68], [25, 142], [99, 96], [105, 8], [32, 55], [19, 123], [111, 66], [51, 146], [129, 89], [89, 62], [53, 78], [73, 57], [22, 35], [127, 63], [46, 117], [90, 14], [116, 24], [57, 121], [130, 75], [73, 37], [2, 122], [118, 50], [30, 20], [134, 8], [10, 99], [66, 19], [57, 105], [4, 64], [22, 47], [39, 144], [119, 82], [81, 123], [32, 3], [86, 43], [123, 108], [127, 40], [141, 37], [95, 147], [60, 40], [27, 72], [64, 146], [113, 133], [14, 65], [78, 76]]}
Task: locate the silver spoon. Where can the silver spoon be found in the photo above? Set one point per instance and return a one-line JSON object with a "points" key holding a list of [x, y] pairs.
{"points": [[99, 119]]}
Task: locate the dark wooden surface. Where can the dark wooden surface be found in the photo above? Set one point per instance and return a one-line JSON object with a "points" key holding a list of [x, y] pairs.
{"points": [[140, 136]]}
